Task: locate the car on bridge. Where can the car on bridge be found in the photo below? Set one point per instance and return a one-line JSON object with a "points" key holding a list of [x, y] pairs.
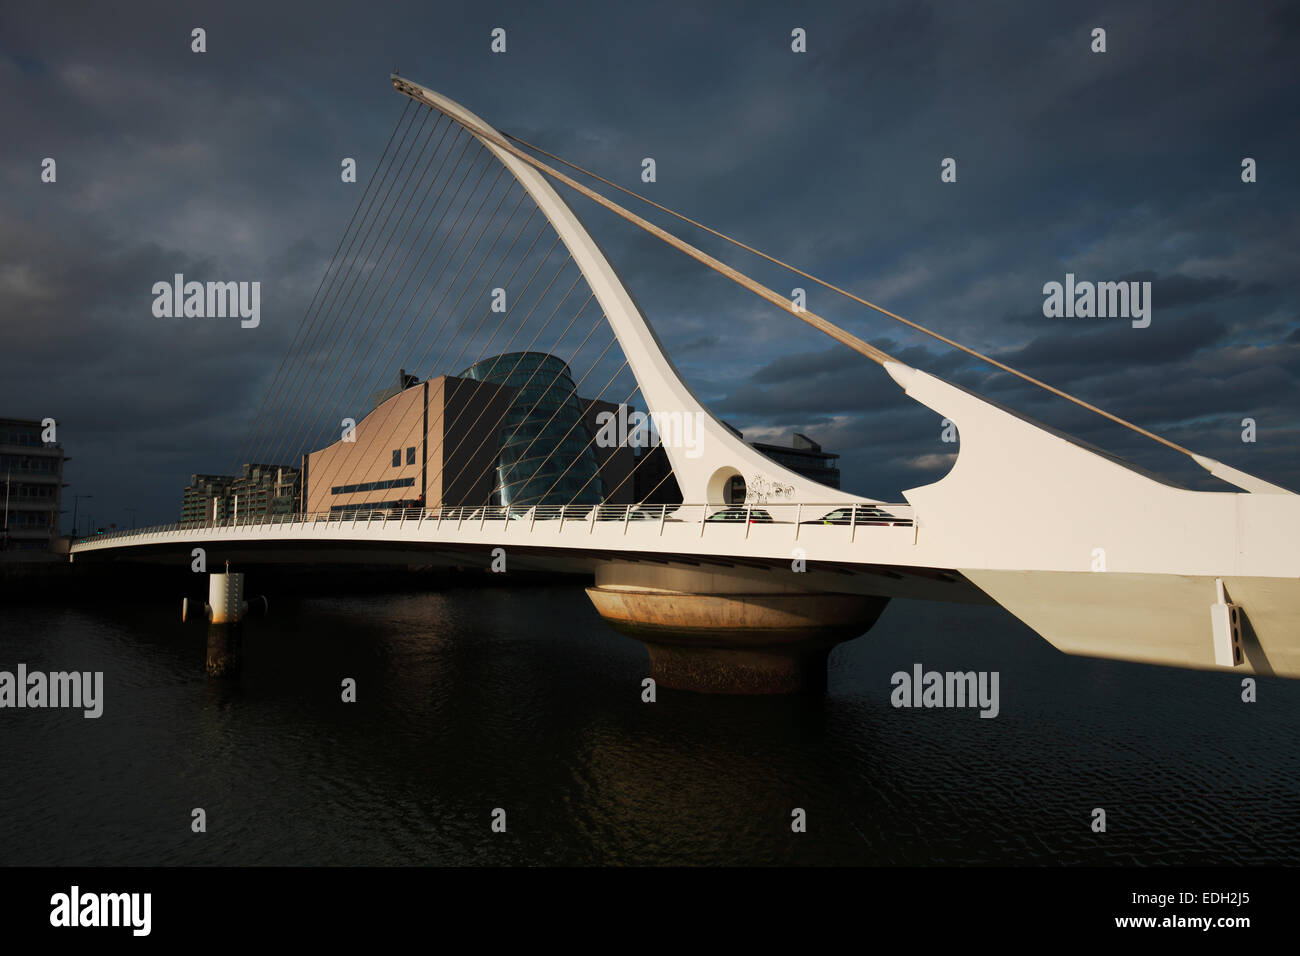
{"points": [[861, 515], [739, 513]]}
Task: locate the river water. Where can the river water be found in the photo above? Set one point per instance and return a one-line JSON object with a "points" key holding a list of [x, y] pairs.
{"points": [[474, 699]]}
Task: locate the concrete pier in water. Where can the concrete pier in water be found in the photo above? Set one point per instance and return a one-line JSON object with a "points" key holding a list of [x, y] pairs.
{"points": [[729, 631]]}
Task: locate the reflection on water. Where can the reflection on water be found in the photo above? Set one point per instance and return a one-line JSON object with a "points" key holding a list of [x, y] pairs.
{"points": [[224, 644], [468, 700]]}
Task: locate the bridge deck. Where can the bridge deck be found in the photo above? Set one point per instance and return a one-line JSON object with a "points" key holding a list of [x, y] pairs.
{"points": [[870, 550]]}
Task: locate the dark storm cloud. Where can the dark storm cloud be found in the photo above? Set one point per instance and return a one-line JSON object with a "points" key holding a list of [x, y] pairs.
{"points": [[1106, 342], [802, 367], [693, 345], [1178, 290], [226, 166]]}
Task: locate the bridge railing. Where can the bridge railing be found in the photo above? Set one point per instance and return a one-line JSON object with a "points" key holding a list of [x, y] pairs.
{"points": [[797, 515]]}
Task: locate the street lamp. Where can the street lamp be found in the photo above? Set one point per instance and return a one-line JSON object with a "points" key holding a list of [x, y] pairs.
{"points": [[132, 511], [74, 512]]}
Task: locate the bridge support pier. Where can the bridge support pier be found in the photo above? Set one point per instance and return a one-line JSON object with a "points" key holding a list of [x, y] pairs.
{"points": [[225, 643], [226, 609], [729, 631]]}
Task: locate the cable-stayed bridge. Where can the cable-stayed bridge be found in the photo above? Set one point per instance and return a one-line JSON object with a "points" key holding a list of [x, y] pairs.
{"points": [[463, 263]]}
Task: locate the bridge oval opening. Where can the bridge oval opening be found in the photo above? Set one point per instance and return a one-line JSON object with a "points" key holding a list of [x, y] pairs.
{"points": [[724, 484]]}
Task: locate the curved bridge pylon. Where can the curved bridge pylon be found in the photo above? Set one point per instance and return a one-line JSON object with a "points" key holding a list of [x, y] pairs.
{"points": [[722, 455]]}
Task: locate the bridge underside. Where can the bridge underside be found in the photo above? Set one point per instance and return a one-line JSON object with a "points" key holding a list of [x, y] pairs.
{"points": [[881, 580]]}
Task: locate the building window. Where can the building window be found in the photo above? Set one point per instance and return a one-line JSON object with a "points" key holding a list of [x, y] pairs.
{"points": [[397, 457], [410, 455], [373, 486]]}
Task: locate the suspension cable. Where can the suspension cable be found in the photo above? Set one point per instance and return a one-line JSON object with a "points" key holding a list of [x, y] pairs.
{"points": [[844, 292]]}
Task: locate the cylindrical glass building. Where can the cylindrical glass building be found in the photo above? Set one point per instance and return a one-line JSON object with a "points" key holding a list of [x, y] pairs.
{"points": [[545, 455]]}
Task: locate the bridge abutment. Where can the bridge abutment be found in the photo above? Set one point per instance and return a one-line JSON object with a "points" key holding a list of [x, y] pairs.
{"points": [[729, 630]]}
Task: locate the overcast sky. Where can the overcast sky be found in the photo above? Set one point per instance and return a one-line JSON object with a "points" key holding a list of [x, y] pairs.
{"points": [[1117, 165]]}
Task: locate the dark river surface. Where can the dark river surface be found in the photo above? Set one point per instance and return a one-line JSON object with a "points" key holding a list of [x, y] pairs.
{"points": [[472, 699]]}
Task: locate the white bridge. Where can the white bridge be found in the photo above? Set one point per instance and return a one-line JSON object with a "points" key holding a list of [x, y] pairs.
{"points": [[1096, 556]]}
